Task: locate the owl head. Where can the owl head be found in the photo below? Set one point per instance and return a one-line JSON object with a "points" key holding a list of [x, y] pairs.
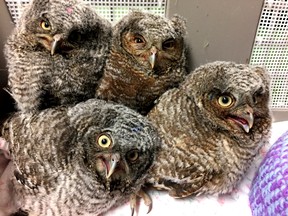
{"points": [[63, 27], [155, 43], [119, 146], [230, 96]]}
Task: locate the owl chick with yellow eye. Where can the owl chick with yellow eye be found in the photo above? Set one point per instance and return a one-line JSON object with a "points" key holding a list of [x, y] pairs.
{"points": [[212, 127], [147, 58], [77, 160], [56, 54]]}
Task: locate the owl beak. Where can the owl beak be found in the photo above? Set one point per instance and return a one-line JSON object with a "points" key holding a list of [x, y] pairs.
{"points": [[55, 43], [248, 117], [53, 47], [244, 118], [112, 164], [152, 57]]}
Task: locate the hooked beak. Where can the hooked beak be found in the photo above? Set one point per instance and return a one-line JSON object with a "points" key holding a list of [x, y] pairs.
{"points": [[152, 57], [55, 43], [111, 165], [244, 119]]}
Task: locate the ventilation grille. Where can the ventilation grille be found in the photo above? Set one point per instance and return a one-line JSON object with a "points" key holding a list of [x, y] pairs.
{"points": [[271, 49], [116, 9], [270, 46], [112, 10]]}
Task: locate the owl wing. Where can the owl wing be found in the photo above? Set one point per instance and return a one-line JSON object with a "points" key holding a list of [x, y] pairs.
{"points": [[37, 145], [194, 179], [25, 79]]}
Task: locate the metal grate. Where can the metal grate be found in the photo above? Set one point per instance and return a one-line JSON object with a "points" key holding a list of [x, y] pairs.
{"points": [[271, 49], [112, 10], [15, 7], [270, 45]]}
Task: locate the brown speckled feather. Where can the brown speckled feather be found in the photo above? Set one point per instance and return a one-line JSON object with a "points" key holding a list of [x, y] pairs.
{"points": [[63, 157], [129, 77], [213, 126], [56, 54]]}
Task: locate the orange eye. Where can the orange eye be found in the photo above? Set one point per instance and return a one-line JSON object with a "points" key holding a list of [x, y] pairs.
{"points": [[45, 25]]}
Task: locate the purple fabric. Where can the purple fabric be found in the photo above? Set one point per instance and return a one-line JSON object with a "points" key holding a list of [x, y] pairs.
{"points": [[269, 190]]}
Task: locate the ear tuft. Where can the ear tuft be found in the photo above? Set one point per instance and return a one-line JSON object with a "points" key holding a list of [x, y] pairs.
{"points": [[179, 23]]}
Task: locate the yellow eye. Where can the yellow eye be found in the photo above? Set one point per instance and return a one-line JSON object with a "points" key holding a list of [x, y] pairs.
{"points": [[225, 101], [104, 141], [132, 155], [45, 25]]}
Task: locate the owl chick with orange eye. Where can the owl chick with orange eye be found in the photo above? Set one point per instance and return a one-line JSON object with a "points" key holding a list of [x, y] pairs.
{"points": [[212, 127], [78, 160], [146, 59], [56, 54]]}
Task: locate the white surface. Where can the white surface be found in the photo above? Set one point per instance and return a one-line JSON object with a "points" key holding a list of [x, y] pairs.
{"points": [[236, 204]]}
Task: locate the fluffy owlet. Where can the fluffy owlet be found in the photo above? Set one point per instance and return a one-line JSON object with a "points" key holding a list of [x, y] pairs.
{"points": [[79, 160], [213, 126], [147, 58], [56, 54]]}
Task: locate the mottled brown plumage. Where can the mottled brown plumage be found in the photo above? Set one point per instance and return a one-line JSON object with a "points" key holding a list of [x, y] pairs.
{"points": [[78, 160], [213, 126], [56, 54], [146, 59]]}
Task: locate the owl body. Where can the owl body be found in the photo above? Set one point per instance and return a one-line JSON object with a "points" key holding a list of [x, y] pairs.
{"points": [[147, 58], [79, 160], [56, 54], [213, 126]]}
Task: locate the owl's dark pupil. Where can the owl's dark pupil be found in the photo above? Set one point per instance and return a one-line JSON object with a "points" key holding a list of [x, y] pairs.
{"points": [[225, 100], [168, 44], [46, 25], [138, 40], [104, 141], [132, 155]]}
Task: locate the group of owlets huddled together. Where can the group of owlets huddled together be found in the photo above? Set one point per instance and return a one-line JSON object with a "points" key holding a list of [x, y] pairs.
{"points": [[108, 112]]}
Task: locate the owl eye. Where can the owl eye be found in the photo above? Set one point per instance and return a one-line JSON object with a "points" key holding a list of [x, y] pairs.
{"points": [[132, 155], [225, 101], [104, 141], [168, 44], [257, 94], [44, 24], [138, 39]]}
